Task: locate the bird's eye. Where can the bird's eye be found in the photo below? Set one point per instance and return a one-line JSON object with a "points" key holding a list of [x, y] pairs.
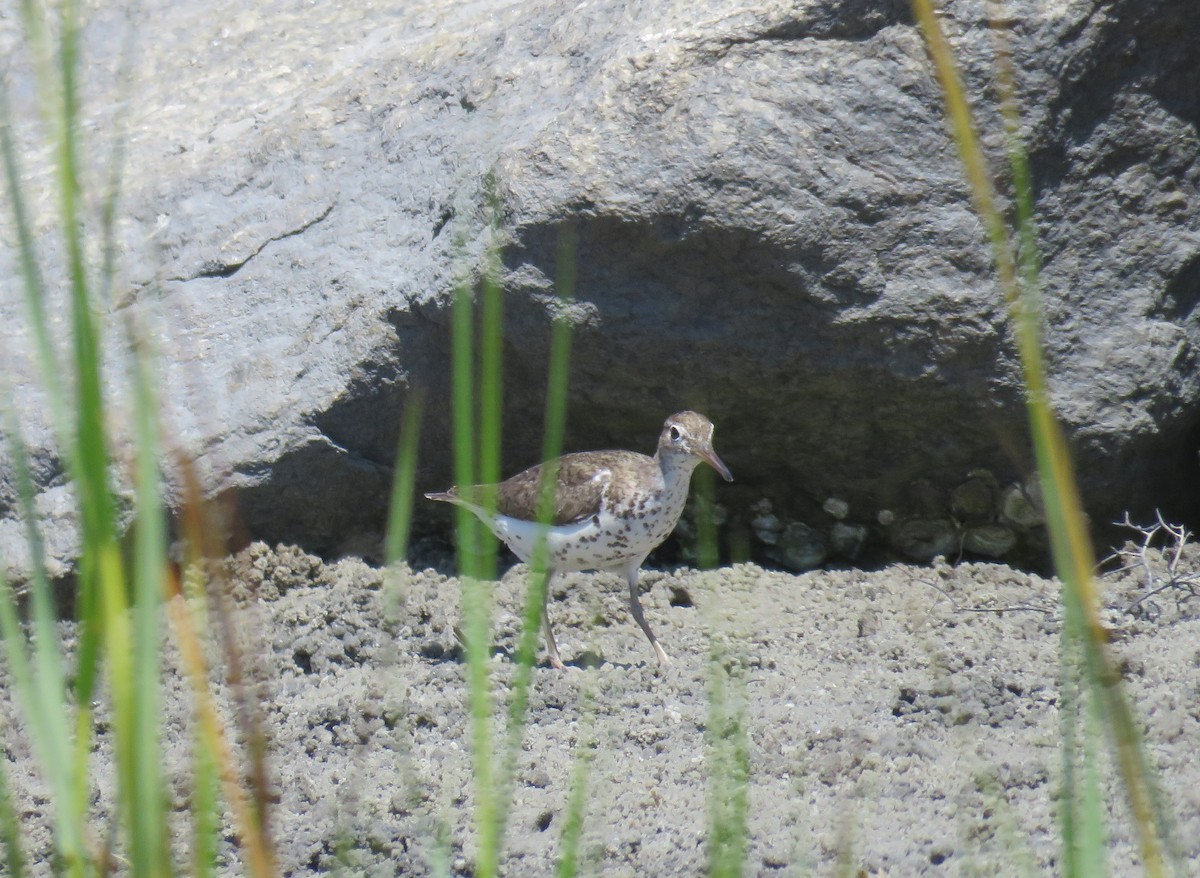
{"points": [[675, 434]]}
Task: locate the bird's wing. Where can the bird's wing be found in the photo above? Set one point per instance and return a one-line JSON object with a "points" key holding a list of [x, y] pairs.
{"points": [[578, 489]]}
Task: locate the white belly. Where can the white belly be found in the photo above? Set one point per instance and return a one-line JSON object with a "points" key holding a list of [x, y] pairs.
{"points": [[594, 544]]}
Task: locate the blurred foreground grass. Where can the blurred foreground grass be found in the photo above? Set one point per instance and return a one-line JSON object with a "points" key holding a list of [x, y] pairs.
{"points": [[120, 594], [123, 595], [1094, 703]]}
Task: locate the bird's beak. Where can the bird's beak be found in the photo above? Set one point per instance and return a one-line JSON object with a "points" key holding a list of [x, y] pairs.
{"points": [[715, 462]]}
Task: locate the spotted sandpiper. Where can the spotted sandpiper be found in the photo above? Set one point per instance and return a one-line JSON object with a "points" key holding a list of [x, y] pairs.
{"points": [[611, 509]]}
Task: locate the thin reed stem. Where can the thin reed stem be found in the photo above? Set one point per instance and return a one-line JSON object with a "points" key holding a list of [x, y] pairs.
{"points": [[404, 479], [1071, 546], [476, 597], [554, 427]]}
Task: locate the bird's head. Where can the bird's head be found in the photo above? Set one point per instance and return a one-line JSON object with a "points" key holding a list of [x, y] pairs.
{"points": [[690, 434]]}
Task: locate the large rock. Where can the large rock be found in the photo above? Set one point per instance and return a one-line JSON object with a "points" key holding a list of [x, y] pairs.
{"points": [[771, 222]]}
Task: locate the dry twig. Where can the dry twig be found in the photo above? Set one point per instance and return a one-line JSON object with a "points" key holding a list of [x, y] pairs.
{"points": [[1172, 576], [960, 608]]}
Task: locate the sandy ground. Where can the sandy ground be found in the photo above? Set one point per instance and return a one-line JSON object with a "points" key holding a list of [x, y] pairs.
{"points": [[893, 728]]}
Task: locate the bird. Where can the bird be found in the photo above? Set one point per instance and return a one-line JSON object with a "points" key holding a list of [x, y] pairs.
{"points": [[610, 510]]}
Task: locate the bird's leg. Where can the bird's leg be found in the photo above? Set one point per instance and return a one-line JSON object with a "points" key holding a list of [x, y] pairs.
{"points": [[551, 646], [635, 607]]}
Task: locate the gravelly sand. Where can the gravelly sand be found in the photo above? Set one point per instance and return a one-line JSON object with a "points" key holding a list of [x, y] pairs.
{"points": [[891, 728]]}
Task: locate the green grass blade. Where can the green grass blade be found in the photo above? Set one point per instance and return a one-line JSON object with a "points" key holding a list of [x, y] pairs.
{"points": [[705, 491], [1093, 847], [95, 496], [10, 832], [1028, 256], [49, 367], [1146, 799], [57, 91], [553, 431], [555, 423], [1082, 818], [41, 686], [491, 379], [572, 834], [554, 427], [48, 727], [88, 450], [403, 479], [248, 821], [205, 809], [404, 475], [1070, 544], [68, 146], [31, 276], [576, 810], [148, 825], [249, 724], [727, 736], [116, 169], [33, 19], [728, 768], [118, 657], [462, 333], [245, 786], [476, 599], [50, 665], [1068, 712]]}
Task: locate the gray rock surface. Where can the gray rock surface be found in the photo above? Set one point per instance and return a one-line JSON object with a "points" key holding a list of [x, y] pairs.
{"points": [[897, 724], [771, 224]]}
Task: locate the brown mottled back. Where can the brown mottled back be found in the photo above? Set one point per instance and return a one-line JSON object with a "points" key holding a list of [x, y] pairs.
{"points": [[578, 493]]}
